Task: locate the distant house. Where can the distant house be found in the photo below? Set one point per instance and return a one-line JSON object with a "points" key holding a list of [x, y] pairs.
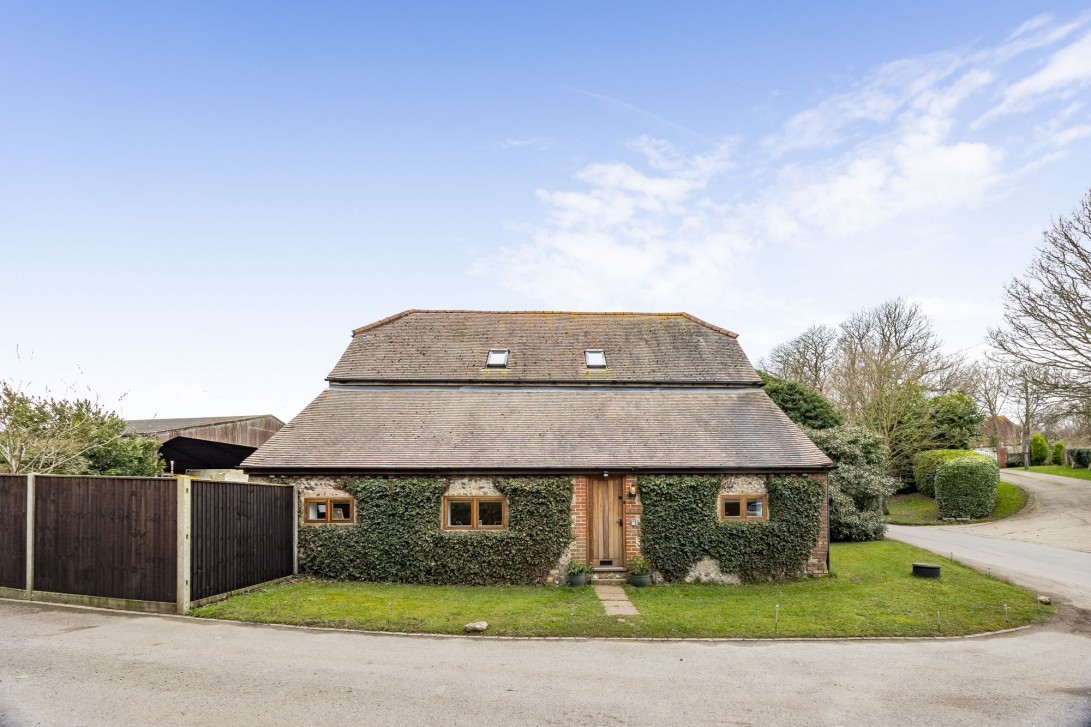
{"points": [[471, 398], [1011, 434], [207, 442]]}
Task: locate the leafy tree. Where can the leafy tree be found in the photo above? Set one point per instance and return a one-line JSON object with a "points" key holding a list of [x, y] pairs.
{"points": [[1039, 450], [955, 419], [69, 436], [803, 405]]}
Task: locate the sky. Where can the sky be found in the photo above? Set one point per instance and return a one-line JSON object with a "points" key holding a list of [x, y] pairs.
{"points": [[200, 201]]}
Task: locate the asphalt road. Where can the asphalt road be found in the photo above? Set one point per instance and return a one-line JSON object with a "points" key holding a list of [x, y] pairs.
{"points": [[1046, 547], [65, 666]]}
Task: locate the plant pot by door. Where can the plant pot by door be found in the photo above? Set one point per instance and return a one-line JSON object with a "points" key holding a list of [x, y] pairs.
{"points": [[640, 579], [577, 579]]}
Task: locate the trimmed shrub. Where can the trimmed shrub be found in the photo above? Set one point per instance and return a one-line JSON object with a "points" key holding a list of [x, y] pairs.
{"points": [[680, 527], [803, 405], [1057, 456], [966, 487], [399, 539], [1081, 457], [926, 463], [1039, 450], [1015, 459]]}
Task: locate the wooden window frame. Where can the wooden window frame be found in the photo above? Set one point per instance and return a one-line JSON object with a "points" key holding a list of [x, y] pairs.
{"points": [[329, 510], [473, 500], [743, 499]]}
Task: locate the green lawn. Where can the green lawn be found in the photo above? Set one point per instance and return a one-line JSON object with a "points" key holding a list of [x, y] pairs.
{"points": [[917, 509], [1059, 470], [870, 593]]}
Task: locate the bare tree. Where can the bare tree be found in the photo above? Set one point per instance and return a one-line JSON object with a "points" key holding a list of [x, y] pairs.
{"points": [[808, 358], [991, 385], [1030, 386], [1048, 311]]}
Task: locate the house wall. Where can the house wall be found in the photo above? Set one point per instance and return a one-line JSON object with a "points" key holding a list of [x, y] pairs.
{"points": [[706, 570]]}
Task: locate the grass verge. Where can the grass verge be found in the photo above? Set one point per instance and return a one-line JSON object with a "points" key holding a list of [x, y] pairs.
{"points": [[917, 509], [870, 593], [1059, 470]]}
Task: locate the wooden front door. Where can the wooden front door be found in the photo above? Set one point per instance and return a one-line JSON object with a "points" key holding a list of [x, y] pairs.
{"points": [[605, 501]]}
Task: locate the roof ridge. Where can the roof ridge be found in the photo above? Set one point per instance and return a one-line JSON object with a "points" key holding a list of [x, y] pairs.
{"points": [[677, 314]]}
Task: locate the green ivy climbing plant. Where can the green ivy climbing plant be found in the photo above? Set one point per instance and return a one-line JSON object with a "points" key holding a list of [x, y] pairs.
{"points": [[680, 526], [397, 536]]}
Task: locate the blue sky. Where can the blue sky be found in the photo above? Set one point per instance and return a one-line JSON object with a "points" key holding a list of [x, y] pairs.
{"points": [[199, 202]]}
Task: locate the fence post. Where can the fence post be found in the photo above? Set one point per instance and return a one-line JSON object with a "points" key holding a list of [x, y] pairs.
{"points": [[185, 543], [30, 535], [295, 529]]}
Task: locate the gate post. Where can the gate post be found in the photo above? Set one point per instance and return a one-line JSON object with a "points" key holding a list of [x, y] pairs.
{"points": [[185, 543], [30, 535]]}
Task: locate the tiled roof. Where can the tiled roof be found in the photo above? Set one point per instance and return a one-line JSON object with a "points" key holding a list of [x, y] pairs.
{"points": [[530, 428], [546, 346]]}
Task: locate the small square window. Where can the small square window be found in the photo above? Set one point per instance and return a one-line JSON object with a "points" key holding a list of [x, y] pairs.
{"points": [[460, 513], [755, 508], [497, 359], [490, 513], [732, 507], [594, 358], [744, 507], [329, 510]]}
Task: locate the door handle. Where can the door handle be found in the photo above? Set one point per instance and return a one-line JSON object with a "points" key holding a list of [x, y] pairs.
{"points": [[620, 522]]}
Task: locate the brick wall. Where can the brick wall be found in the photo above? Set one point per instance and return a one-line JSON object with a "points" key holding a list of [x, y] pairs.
{"points": [[816, 564], [632, 512], [579, 519]]}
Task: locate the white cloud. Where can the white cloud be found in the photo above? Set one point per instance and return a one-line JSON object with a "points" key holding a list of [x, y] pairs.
{"points": [[1065, 74]]}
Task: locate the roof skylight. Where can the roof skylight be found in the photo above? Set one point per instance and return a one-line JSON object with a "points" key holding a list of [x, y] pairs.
{"points": [[497, 359], [594, 358]]}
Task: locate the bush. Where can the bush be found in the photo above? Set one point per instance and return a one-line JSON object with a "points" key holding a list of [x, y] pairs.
{"points": [[1058, 453], [1015, 459], [1039, 450], [858, 485], [1081, 458], [966, 487], [399, 539], [679, 527], [926, 463], [803, 405], [955, 419]]}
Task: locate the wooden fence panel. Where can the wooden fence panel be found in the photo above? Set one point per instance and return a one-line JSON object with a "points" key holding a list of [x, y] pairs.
{"points": [[13, 531], [114, 537], [241, 534]]}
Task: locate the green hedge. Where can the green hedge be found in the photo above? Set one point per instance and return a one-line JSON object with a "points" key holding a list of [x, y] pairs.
{"points": [[398, 537], [927, 463], [1057, 457], [966, 487], [681, 526]]}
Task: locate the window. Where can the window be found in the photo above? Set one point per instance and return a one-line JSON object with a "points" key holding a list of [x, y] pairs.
{"points": [[497, 358], [595, 358], [329, 510], [475, 513], [744, 507]]}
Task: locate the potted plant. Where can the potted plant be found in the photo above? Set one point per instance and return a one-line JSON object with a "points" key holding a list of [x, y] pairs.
{"points": [[640, 572], [578, 573]]}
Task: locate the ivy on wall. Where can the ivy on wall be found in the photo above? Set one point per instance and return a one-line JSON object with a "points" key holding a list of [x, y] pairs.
{"points": [[680, 526], [397, 537]]}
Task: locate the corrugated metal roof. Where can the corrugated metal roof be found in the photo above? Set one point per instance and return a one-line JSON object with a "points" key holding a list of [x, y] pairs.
{"points": [[545, 346], [513, 428]]}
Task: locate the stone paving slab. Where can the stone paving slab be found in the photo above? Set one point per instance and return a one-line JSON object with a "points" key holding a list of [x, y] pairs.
{"points": [[615, 602]]}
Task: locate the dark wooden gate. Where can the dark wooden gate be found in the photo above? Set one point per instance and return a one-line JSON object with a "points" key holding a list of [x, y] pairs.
{"points": [[242, 535], [13, 531], [112, 537]]}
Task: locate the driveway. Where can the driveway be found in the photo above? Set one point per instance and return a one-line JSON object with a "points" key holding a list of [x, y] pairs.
{"points": [[67, 666], [1046, 547]]}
